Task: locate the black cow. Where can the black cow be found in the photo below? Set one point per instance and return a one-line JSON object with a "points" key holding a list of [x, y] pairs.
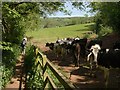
{"points": [[50, 45], [109, 58], [93, 42], [116, 45]]}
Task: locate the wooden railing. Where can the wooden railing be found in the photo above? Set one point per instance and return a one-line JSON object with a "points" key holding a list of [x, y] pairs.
{"points": [[45, 64]]}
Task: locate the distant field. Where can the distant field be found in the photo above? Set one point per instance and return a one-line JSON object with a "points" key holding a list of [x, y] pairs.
{"points": [[51, 34]]}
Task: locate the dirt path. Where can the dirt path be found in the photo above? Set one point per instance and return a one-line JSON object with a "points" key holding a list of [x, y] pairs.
{"points": [[80, 76], [17, 82]]}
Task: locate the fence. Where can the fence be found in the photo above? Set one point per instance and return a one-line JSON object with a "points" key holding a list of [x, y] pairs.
{"points": [[46, 66]]}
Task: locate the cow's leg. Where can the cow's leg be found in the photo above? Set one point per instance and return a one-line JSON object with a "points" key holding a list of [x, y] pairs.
{"points": [[91, 63], [106, 76], [95, 59], [88, 57], [63, 53], [23, 50], [78, 60]]}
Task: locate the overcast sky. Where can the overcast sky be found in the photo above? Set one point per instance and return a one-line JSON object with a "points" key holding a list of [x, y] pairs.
{"points": [[75, 12]]}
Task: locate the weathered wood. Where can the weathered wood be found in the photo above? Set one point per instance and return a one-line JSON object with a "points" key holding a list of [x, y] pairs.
{"points": [[50, 81], [63, 80], [44, 63]]}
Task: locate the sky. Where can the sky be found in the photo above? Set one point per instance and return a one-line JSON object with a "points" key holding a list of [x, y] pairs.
{"points": [[74, 12]]}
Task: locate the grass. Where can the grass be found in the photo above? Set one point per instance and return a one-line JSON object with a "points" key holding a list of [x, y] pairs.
{"points": [[52, 34]]}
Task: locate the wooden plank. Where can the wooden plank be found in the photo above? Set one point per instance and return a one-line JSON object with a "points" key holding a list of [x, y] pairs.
{"points": [[44, 68], [51, 82], [63, 80], [47, 79]]}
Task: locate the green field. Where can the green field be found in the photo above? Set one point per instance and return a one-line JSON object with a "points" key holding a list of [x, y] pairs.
{"points": [[51, 34]]}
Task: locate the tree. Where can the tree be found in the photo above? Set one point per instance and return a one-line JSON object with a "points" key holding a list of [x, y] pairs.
{"points": [[20, 16], [109, 13], [17, 17]]}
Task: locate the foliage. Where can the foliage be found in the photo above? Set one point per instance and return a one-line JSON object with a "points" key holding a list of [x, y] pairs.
{"points": [[29, 58], [6, 75], [12, 31], [108, 13], [51, 7], [78, 5], [10, 52], [60, 22], [55, 80], [104, 31], [18, 17], [97, 26], [34, 79], [34, 70]]}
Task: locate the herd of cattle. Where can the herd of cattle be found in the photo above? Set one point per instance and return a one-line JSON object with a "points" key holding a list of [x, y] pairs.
{"points": [[90, 50]]}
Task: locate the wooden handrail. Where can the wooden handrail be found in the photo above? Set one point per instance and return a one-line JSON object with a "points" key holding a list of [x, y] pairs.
{"points": [[47, 79]]}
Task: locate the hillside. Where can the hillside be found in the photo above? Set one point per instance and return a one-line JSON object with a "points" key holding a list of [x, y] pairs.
{"points": [[52, 34], [64, 21]]}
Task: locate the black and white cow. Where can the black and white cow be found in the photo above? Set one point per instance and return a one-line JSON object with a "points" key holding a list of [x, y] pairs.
{"points": [[93, 55], [57, 48], [93, 42], [23, 45], [93, 47]]}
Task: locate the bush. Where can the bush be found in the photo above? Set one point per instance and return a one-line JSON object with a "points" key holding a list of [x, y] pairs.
{"points": [[104, 31], [29, 58], [34, 79], [10, 53], [6, 75]]}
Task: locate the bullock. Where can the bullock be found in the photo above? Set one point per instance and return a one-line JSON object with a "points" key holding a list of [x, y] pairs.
{"points": [[23, 45], [68, 45], [93, 48], [93, 42], [76, 52], [94, 54], [57, 48], [78, 49], [108, 58], [54, 47], [50, 45]]}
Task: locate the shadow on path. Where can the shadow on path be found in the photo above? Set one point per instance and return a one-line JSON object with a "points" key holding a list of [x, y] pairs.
{"points": [[17, 81]]}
